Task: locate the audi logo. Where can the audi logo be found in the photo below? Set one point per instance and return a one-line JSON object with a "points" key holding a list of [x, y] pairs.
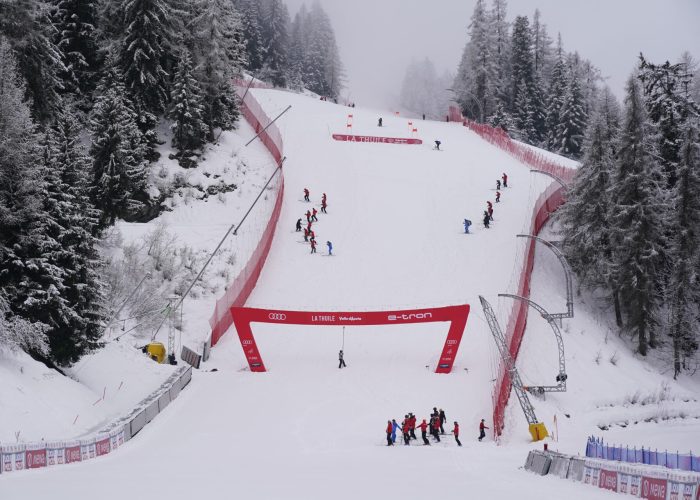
{"points": [[246, 342], [277, 316], [451, 342]]}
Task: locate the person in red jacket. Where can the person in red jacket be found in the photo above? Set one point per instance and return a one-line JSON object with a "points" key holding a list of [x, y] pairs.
{"points": [[306, 235], [306, 194], [308, 225], [423, 431], [455, 431], [490, 212], [505, 180], [312, 235], [323, 206], [308, 216], [313, 245], [313, 215], [498, 196], [389, 428], [412, 425], [435, 420], [482, 426], [406, 431], [323, 198]]}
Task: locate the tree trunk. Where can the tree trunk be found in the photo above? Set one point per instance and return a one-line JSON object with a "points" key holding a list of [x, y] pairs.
{"points": [[642, 335], [618, 312]]}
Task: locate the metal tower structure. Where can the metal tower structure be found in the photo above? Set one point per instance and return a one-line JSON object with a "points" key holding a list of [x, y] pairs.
{"points": [[515, 380], [561, 376], [567, 274]]}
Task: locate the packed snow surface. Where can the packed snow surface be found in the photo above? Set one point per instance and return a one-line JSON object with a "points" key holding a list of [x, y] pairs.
{"points": [[307, 430]]}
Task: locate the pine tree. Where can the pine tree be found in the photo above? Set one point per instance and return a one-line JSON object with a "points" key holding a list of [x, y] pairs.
{"points": [[298, 44], [684, 252], [149, 34], [70, 303], [501, 119], [220, 56], [187, 111], [637, 221], [585, 216], [252, 33], [521, 56], [30, 31], [542, 48], [572, 120], [275, 33], [20, 202], [119, 167], [555, 100], [481, 61], [500, 51], [524, 115], [77, 38]]}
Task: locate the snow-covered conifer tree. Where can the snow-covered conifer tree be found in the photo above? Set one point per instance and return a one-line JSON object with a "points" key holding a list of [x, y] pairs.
{"points": [[187, 112]]}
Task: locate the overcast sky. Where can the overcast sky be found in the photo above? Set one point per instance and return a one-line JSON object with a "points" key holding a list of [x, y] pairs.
{"points": [[379, 38]]}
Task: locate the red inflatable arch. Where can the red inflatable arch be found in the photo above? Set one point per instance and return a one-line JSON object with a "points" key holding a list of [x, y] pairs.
{"points": [[456, 315]]}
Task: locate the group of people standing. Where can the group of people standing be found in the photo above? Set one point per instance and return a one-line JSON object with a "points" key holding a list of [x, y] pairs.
{"points": [[436, 427], [311, 217], [488, 213]]}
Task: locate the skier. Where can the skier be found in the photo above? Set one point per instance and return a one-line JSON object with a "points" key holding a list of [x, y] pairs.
{"points": [[394, 426], [298, 225], [312, 235], [341, 363], [306, 235], [498, 196], [498, 185], [486, 219], [330, 247], [313, 215], [423, 116], [323, 206], [482, 426], [443, 419], [405, 431], [389, 429], [505, 180], [490, 213], [313, 245], [437, 145], [455, 431], [436, 427], [323, 198], [466, 223], [423, 426], [379, 124], [308, 225], [306, 194], [412, 425], [308, 216]]}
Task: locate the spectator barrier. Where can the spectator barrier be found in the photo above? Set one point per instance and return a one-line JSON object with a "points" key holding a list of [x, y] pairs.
{"points": [[596, 448], [549, 201], [240, 289], [638, 480], [20, 456]]}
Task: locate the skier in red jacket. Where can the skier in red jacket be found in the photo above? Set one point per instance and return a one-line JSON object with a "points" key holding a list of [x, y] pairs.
{"points": [[505, 180], [498, 196], [406, 431], [306, 194], [412, 425], [482, 426], [313, 245], [455, 431], [423, 430], [308, 216], [435, 420], [306, 235], [313, 215], [323, 206], [389, 428]]}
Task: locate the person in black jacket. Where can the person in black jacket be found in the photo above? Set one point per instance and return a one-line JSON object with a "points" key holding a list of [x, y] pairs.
{"points": [[341, 363], [443, 419], [298, 225]]}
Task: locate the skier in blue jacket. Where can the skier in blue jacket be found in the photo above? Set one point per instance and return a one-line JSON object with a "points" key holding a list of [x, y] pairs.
{"points": [[467, 223], [394, 426], [330, 247]]}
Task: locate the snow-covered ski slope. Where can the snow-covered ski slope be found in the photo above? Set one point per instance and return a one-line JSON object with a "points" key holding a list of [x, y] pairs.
{"points": [[307, 430]]}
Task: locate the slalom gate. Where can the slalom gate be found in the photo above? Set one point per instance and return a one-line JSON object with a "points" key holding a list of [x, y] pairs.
{"points": [[548, 202], [455, 315]]}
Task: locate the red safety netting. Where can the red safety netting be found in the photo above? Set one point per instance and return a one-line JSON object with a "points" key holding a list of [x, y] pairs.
{"points": [[240, 289], [499, 138], [548, 202]]}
